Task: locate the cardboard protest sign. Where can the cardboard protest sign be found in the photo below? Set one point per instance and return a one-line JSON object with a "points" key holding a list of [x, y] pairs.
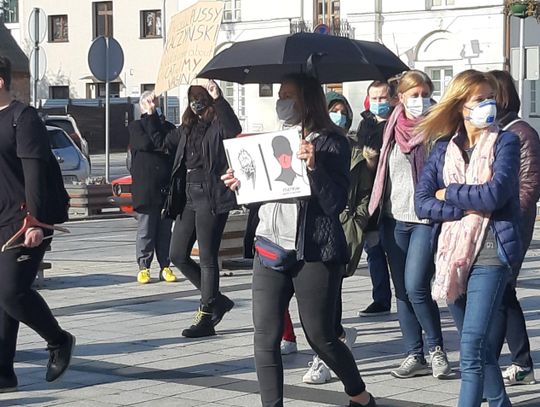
{"points": [[191, 41], [267, 167]]}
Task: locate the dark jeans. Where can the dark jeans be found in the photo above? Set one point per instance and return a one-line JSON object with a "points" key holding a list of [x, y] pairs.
{"points": [[316, 286], [378, 270], [475, 315], [410, 257], [513, 326], [19, 302], [153, 234], [197, 222]]}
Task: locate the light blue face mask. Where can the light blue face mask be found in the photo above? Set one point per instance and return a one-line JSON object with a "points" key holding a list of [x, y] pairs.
{"points": [[381, 109], [338, 119]]}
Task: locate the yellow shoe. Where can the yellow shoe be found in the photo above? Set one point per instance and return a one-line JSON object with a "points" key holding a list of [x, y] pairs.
{"points": [[144, 276], [167, 275]]}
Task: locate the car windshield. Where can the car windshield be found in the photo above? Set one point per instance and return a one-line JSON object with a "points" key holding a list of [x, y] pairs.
{"points": [[58, 139], [63, 124]]}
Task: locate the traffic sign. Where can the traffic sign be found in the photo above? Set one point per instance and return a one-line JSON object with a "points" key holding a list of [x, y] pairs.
{"points": [[322, 29], [105, 58], [42, 64], [37, 25]]}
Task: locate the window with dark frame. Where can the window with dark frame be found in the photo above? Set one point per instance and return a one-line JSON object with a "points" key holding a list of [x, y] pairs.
{"points": [[266, 90], [114, 89], [147, 86], [9, 11], [232, 10], [58, 28], [103, 18], [58, 92], [151, 24]]}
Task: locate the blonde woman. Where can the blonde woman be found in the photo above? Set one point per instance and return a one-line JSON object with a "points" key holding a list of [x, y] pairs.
{"points": [[406, 237], [470, 188]]}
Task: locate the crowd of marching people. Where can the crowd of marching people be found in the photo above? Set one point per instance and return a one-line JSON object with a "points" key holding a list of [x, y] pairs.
{"points": [[441, 196]]}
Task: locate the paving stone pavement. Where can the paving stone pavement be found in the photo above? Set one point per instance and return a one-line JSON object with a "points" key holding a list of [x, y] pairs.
{"points": [[130, 351]]}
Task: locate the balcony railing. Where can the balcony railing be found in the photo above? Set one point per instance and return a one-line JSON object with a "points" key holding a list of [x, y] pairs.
{"points": [[340, 28]]}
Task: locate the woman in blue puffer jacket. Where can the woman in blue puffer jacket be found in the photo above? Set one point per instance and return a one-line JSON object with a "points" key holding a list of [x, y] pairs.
{"points": [[470, 186]]}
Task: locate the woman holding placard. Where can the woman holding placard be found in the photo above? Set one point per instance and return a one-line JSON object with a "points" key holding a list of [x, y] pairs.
{"points": [[310, 260]]}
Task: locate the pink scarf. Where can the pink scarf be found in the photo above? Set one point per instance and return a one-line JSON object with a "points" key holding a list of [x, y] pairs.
{"points": [[400, 129], [404, 133], [460, 241]]}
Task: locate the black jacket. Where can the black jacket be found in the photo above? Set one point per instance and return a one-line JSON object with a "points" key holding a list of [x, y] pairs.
{"points": [[150, 166], [225, 125], [320, 234]]}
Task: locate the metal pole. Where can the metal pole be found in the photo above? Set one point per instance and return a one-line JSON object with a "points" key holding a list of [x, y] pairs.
{"points": [[164, 34], [36, 56], [107, 102], [521, 62], [324, 11]]}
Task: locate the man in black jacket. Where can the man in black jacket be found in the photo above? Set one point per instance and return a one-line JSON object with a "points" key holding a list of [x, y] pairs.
{"points": [[150, 170], [370, 136], [24, 158]]}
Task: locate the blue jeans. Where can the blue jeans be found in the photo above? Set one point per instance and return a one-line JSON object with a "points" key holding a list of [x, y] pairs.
{"points": [[378, 271], [474, 314], [410, 256]]}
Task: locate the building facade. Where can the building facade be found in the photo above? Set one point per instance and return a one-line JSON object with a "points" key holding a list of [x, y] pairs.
{"points": [[441, 37]]}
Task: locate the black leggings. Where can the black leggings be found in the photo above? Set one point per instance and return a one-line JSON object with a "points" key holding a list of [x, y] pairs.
{"points": [[198, 223], [316, 286], [19, 302]]}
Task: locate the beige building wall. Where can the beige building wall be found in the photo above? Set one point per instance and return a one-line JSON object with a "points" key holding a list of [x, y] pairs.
{"points": [[67, 62]]}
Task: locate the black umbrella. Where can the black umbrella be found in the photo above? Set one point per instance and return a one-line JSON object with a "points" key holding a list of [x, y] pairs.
{"points": [[329, 58]]}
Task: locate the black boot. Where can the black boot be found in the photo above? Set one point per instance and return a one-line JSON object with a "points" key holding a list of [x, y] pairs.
{"points": [[202, 324], [223, 305], [59, 358], [8, 382]]}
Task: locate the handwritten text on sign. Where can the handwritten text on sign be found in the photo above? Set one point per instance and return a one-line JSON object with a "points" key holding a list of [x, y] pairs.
{"points": [[191, 41]]}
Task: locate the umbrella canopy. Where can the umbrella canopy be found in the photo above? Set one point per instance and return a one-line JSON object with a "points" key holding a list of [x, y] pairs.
{"points": [[335, 59]]}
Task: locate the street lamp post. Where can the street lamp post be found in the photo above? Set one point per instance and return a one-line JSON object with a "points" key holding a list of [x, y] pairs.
{"points": [[164, 35]]}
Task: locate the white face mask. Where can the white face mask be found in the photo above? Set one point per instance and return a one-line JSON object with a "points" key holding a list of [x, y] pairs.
{"points": [[417, 106], [483, 114], [286, 111]]}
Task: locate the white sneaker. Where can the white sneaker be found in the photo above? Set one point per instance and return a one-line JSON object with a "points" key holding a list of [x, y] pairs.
{"points": [[515, 374], [288, 347], [350, 337], [318, 372]]}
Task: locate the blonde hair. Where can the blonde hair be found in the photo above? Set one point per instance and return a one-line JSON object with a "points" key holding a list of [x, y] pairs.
{"points": [[145, 99], [445, 118], [412, 79]]}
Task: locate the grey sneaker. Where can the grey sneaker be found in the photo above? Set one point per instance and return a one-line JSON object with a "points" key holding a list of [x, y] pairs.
{"points": [[413, 365], [439, 363]]}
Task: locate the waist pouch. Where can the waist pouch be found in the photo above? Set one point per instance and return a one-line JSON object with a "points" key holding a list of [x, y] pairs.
{"points": [[274, 256]]}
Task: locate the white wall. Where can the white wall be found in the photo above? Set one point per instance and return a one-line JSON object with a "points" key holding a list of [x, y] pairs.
{"points": [[67, 61]]}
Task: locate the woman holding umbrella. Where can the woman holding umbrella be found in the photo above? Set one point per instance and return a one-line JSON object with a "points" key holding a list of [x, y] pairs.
{"points": [[320, 255]]}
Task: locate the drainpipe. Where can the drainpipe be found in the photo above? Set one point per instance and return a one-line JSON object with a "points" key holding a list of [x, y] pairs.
{"points": [[378, 21], [506, 42]]}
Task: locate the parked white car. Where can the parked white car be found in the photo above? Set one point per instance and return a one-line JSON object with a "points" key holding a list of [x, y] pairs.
{"points": [[69, 125], [73, 164]]}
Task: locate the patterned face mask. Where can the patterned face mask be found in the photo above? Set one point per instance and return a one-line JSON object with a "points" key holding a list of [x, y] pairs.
{"points": [[198, 106]]}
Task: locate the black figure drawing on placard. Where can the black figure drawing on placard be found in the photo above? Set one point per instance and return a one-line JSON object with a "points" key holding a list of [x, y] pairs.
{"points": [[247, 166], [283, 153]]}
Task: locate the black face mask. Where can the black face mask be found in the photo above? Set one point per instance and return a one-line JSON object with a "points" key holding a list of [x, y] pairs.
{"points": [[198, 106]]}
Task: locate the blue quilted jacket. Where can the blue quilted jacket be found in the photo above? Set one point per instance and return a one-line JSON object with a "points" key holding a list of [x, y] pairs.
{"points": [[500, 196]]}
